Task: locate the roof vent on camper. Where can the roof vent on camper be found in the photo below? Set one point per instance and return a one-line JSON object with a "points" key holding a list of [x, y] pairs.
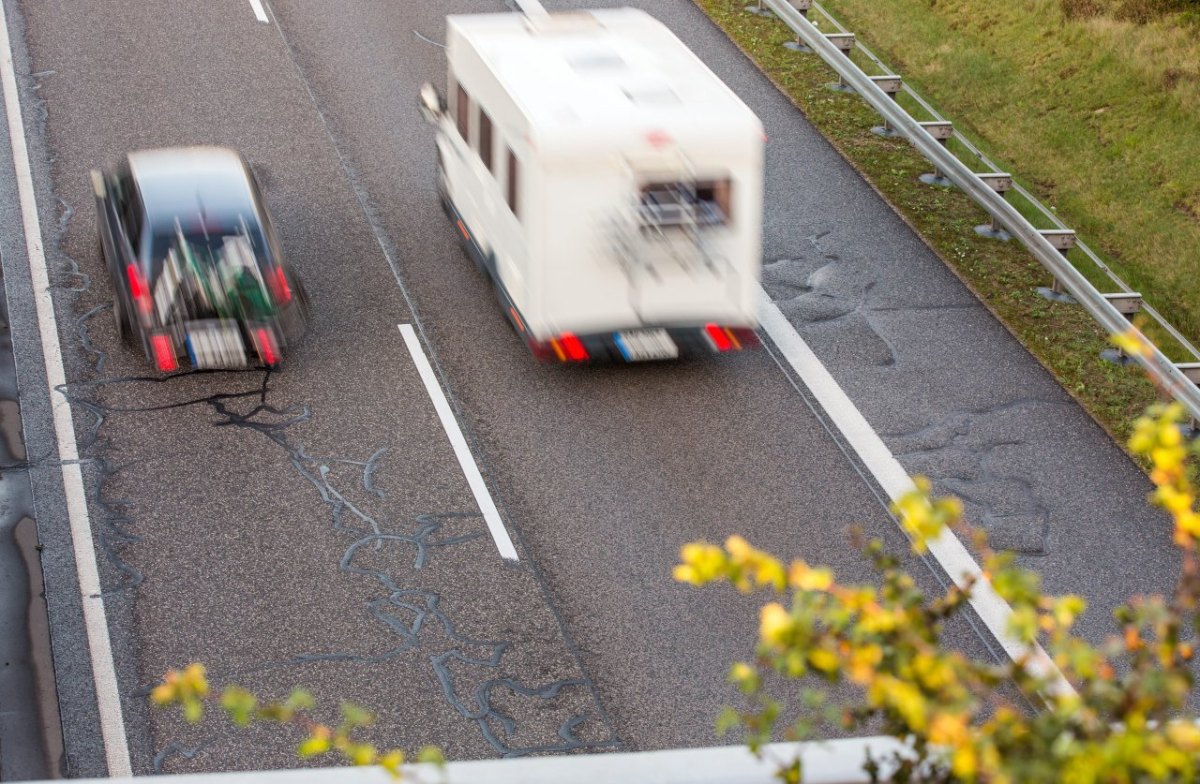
{"points": [[595, 60], [651, 93]]}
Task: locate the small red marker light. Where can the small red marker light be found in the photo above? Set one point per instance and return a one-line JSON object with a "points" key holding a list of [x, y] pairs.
{"points": [[164, 352], [719, 338], [658, 138]]}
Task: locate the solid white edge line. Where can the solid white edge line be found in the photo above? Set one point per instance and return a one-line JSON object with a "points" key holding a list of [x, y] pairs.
{"points": [[947, 548], [259, 12], [461, 451], [108, 698]]}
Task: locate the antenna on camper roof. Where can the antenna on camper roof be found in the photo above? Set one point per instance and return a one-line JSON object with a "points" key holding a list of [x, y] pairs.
{"points": [[531, 8]]}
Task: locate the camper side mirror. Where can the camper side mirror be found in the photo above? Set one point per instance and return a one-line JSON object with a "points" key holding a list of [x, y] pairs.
{"points": [[431, 103]]}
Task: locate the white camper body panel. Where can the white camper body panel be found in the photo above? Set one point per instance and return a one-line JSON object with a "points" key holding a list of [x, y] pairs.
{"points": [[600, 114]]}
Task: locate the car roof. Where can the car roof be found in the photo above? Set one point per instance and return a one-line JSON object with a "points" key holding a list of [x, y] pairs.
{"points": [[183, 181]]}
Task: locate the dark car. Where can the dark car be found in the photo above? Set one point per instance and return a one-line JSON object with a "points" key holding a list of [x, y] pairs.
{"points": [[198, 275]]}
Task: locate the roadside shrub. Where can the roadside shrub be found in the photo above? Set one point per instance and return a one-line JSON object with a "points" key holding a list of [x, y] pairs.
{"points": [[1071, 712]]}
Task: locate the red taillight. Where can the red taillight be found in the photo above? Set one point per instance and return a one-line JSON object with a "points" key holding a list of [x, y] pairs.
{"points": [[266, 346], [283, 292], [573, 347], [720, 337], [138, 288], [164, 352]]}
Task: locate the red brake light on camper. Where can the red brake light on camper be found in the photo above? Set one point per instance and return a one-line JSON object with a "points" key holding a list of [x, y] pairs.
{"points": [[569, 348], [720, 338]]}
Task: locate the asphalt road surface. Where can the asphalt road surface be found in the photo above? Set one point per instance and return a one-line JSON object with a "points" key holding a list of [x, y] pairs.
{"points": [[313, 526]]}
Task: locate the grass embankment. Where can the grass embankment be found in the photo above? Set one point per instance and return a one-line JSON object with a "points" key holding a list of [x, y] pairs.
{"points": [[1003, 274]]}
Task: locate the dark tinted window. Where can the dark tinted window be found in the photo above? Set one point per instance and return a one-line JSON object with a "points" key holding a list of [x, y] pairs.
{"points": [[464, 115], [485, 138], [206, 238], [129, 207], [512, 192]]}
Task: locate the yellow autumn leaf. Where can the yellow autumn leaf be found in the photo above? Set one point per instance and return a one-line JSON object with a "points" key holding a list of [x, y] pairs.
{"points": [[823, 660], [1131, 342], [738, 548], [964, 763], [774, 624], [392, 762], [163, 694], [1184, 735], [685, 573], [948, 729]]}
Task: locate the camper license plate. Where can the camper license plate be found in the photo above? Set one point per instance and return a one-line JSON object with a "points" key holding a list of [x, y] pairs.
{"points": [[644, 344], [215, 344]]}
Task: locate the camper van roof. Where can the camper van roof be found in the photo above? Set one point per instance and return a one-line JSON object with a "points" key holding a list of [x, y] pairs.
{"points": [[586, 73]]}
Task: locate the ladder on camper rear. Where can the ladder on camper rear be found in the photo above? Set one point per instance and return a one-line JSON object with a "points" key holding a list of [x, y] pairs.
{"points": [[669, 227]]}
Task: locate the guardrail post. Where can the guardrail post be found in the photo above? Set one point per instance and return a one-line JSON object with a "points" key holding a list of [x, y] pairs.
{"points": [[1191, 371], [802, 7], [1062, 240], [845, 44], [758, 10], [941, 131], [1127, 303], [1001, 183], [891, 86]]}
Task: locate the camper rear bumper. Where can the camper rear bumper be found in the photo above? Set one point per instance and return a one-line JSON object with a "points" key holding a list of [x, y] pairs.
{"points": [[644, 344]]}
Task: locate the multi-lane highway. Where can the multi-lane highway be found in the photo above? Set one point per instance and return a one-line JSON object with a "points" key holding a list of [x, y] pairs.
{"points": [[317, 525]]}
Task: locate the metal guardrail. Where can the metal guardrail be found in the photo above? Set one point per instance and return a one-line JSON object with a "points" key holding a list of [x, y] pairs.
{"points": [[1049, 246]]}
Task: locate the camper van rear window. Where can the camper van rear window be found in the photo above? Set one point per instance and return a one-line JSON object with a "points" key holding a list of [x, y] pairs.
{"points": [[686, 202]]}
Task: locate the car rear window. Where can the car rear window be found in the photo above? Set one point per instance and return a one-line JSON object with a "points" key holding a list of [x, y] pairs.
{"points": [[205, 233]]}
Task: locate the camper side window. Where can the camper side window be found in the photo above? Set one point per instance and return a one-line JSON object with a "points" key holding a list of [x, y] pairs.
{"points": [[463, 115], [485, 139], [511, 193]]}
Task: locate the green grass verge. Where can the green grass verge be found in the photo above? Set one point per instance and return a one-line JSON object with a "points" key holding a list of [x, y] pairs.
{"points": [[1002, 274], [1100, 115]]}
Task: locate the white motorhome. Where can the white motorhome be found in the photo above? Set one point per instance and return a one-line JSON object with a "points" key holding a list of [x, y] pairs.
{"points": [[607, 181]]}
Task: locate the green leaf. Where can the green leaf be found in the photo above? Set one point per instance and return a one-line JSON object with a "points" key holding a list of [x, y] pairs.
{"points": [[431, 755], [193, 710], [790, 773], [239, 704], [392, 762], [361, 753], [727, 719], [300, 700], [354, 716]]}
